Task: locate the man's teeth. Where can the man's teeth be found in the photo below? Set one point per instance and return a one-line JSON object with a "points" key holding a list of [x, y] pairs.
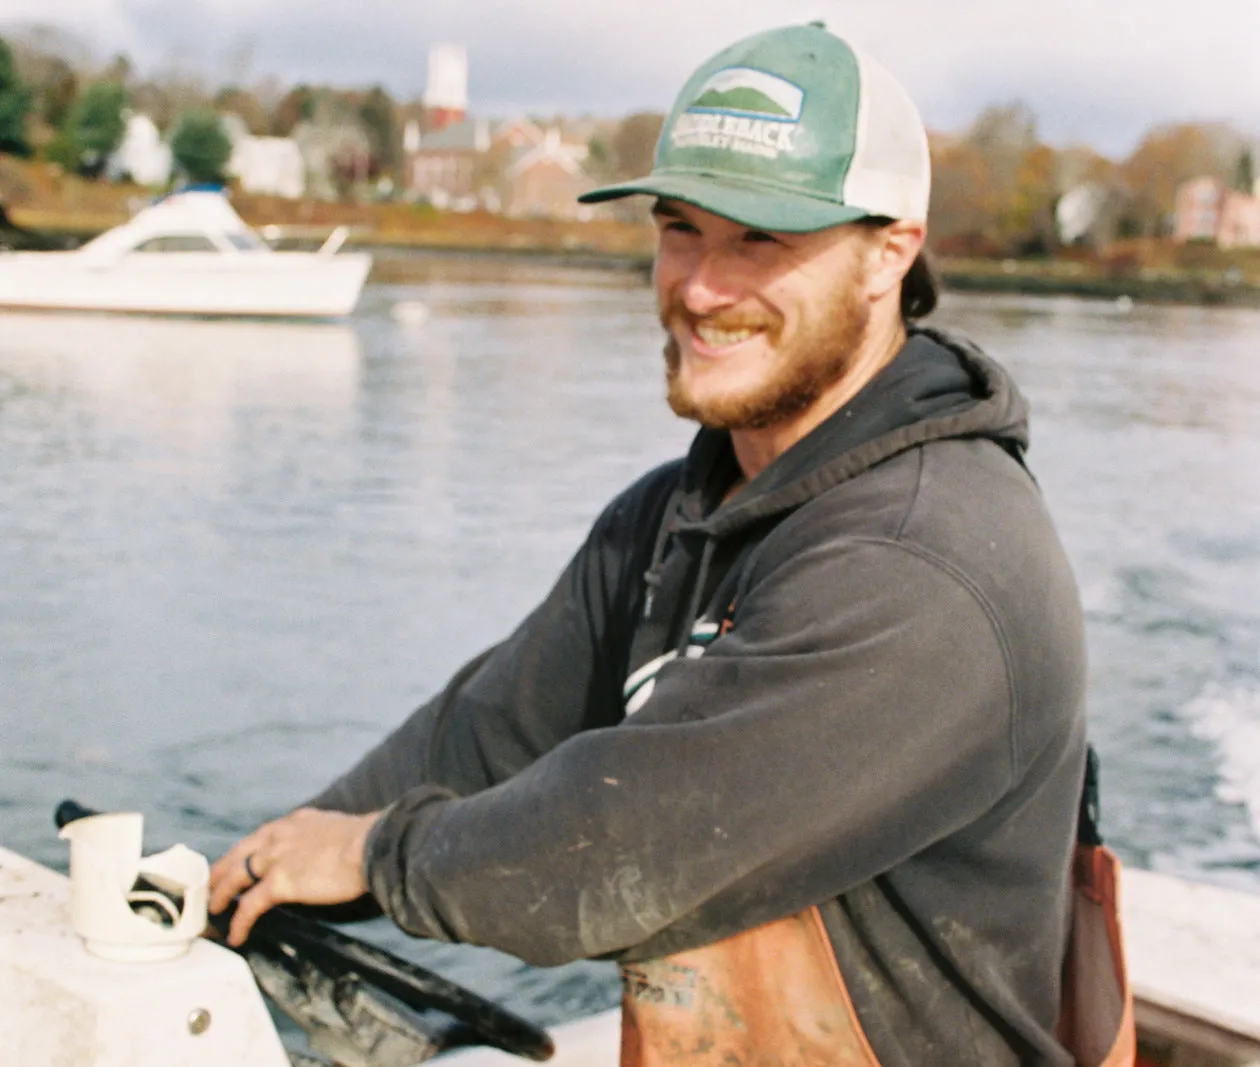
{"points": [[717, 338]]}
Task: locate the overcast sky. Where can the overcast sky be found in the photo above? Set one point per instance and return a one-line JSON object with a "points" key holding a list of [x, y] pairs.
{"points": [[1094, 71]]}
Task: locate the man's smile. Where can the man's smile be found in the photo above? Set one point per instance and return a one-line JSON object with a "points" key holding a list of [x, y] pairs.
{"points": [[710, 340]]}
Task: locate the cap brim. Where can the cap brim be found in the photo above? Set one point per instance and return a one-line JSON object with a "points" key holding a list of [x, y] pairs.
{"points": [[763, 206]]}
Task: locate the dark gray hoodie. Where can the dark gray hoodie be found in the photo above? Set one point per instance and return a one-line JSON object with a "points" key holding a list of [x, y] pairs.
{"points": [[859, 684]]}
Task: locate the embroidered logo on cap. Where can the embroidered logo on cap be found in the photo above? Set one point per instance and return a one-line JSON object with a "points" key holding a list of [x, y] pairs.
{"points": [[741, 110]]}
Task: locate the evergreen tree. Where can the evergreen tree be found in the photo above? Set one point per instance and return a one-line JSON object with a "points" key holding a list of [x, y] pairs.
{"points": [[15, 103], [1245, 174], [65, 149], [200, 146], [98, 123], [377, 115]]}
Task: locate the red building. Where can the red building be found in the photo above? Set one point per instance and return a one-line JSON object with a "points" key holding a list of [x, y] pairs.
{"points": [[1209, 210]]}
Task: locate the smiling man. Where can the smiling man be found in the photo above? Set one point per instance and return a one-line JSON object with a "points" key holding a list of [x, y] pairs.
{"points": [[772, 332], [798, 736]]}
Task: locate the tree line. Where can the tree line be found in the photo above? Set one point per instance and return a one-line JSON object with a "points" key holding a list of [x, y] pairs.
{"points": [[58, 106], [996, 185]]}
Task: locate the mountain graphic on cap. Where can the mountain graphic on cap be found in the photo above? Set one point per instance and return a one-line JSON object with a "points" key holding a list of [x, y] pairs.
{"points": [[740, 90]]}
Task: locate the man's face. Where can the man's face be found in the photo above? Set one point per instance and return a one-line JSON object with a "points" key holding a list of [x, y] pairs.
{"points": [[760, 324]]}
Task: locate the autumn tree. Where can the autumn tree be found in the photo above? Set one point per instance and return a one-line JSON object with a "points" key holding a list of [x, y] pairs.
{"points": [[150, 98], [57, 95], [634, 143], [176, 87], [15, 104], [1003, 134], [50, 78], [1082, 165], [599, 160], [963, 212], [200, 146], [119, 69], [1020, 176], [297, 105], [268, 90], [1166, 157], [627, 151], [242, 103]]}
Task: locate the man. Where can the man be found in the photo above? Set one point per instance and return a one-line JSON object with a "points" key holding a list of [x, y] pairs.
{"points": [[798, 736]]}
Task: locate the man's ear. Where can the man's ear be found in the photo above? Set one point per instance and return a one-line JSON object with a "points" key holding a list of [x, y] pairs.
{"points": [[893, 250]]}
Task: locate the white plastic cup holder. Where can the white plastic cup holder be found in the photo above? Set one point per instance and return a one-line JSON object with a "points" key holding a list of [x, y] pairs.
{"points": [[117, 920], [144, 902]]}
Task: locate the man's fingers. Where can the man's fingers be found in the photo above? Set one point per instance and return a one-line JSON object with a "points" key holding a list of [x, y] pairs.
{"points": [[229, 874], [312, 857], [223, 888], [249, 906]]}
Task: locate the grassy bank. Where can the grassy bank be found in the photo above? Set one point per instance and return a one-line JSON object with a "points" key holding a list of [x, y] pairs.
{"points": [[1216, 285]]}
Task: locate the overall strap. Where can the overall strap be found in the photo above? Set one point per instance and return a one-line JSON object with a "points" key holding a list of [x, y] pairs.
{"points": [[1087, 832], [1096, 1022]]}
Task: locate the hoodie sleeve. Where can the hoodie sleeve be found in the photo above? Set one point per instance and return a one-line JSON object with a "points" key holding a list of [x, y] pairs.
{"points": [[859, 711], [552, 678]]}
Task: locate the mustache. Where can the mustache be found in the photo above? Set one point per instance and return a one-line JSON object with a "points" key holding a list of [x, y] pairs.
{"points": [[675, 313]]}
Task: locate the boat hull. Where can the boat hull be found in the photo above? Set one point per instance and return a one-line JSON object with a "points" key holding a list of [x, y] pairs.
{"points": [[280, 284]]}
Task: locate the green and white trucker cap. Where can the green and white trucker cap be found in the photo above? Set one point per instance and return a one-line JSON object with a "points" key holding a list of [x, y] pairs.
{"points": [[792, 129]]}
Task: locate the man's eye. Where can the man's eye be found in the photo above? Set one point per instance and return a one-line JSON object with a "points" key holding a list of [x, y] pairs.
{"points": [[760, 237], [678, 226]]}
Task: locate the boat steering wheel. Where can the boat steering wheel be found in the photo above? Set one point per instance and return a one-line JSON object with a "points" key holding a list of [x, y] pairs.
{"points": [[422, 990]]}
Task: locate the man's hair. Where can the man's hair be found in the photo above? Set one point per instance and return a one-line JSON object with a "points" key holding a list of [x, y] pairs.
{"points": [[918, 289]]}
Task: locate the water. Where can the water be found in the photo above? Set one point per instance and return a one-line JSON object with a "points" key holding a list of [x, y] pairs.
{"points": [[233, 555]]}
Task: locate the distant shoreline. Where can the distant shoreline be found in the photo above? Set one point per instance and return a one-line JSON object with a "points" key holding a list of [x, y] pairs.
{"points": [[1030, 278], [1184, 287], [567, 245]]}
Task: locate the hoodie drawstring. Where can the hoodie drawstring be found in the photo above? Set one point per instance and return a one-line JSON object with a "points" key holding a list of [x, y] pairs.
{"points": [[652, 576], [697, 593]]}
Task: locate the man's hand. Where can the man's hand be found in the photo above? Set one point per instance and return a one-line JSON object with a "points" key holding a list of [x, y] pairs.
{"points": [[307, 857]]}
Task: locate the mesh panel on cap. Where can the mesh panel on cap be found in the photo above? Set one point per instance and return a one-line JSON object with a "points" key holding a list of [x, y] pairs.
{"points": [[891, 172]]}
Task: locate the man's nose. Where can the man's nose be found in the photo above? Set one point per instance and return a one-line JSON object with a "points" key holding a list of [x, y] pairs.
{"points": [[709, 286]]}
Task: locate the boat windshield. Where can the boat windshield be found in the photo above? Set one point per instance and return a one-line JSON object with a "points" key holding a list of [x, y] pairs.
{"points": [[246, 242], [177, 242]]}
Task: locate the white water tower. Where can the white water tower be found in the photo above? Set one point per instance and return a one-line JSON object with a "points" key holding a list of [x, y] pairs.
{"points": [[446, 90]]}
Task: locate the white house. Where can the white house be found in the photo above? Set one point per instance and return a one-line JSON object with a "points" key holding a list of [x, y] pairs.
{"points": [[142, 155], [546, 179], [1089, 213], [269, 166]]}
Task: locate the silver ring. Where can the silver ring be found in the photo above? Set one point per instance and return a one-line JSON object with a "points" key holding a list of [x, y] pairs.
{"points": [[249, 869]]}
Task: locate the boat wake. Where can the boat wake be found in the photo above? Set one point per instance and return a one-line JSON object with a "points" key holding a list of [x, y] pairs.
{"points": [[1228, 716]]}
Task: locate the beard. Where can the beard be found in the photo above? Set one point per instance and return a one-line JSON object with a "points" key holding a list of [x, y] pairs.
{"points": [[799, 372]]}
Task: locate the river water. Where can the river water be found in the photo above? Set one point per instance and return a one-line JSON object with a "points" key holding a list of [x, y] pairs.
{"points": [[232, 555]]}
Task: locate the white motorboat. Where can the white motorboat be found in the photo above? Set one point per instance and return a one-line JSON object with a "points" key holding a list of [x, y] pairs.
{"points": [[1194, 960], [189, 254]]}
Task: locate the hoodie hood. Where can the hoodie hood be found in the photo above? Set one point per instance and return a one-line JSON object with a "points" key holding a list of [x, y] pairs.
{"points": [[938, 386]]}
